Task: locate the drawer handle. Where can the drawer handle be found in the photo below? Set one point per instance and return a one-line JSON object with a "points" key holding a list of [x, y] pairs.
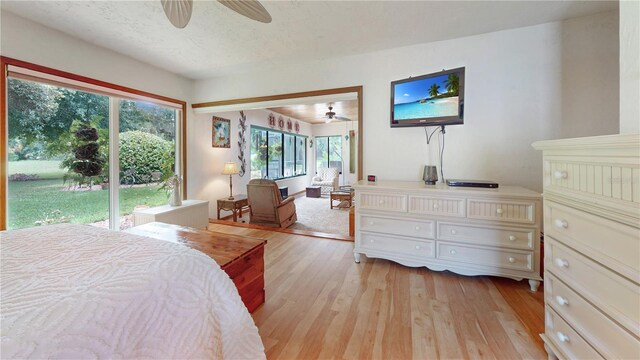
{"points": [[417, 228], [561, 224], [452, 252], [560, 174], [371, 240], [562, 262], [381, 202], [435, 206], [512, 259], [371, 223], [499, 211], [417, 247], [453, 231], [562, 337], [562, 301], [512, 238]]}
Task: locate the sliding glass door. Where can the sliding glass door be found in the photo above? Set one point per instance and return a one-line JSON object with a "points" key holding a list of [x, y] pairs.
{"points": [[58, 155], [62, 146], [147, 155]]}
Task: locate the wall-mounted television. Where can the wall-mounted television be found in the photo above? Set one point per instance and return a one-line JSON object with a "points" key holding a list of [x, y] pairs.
{"points": [[428, 100]]}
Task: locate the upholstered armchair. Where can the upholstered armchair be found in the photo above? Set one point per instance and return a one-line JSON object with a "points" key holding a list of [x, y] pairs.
{"points": [[327, 179], [266, 206]]}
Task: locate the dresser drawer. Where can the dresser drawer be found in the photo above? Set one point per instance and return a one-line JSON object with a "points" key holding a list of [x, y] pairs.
{"points": [[485, 256], [613, 294], [566, 339], [409, 227], [415, 248], [381, 201], [603, 334], [512, 211], [488, 235], [615, 245], [437, 206], [608, 181]]}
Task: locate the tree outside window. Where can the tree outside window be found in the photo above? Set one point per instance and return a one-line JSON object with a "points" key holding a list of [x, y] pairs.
{"points": [[329, 152], [277, 155]]}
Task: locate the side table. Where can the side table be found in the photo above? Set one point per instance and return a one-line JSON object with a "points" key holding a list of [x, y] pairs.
{"points": [[345, 198], [235, 205]]}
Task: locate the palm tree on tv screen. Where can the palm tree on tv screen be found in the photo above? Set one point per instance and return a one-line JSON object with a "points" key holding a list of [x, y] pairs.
{"points": [[452, 84], [433, 90]]}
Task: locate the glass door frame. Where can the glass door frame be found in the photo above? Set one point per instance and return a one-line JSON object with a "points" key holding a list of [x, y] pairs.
{"points": [[115, 92]]}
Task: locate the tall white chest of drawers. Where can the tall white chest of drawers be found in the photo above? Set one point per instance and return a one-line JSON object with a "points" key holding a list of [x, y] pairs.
{"points": [[592, 247], [468, 231]]}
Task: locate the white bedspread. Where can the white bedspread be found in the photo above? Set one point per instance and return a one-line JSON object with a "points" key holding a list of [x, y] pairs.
{"points": [[74, 291]]}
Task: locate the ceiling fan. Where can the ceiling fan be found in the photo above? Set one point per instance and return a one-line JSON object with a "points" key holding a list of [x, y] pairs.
{"points": [[179, 11], [330, 115]]}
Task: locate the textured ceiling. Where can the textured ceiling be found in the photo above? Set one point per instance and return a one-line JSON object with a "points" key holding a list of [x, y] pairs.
{"points": [[219, 42]]}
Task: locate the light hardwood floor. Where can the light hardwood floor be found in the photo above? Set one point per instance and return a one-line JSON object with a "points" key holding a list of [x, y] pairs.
{"points": [[320, 304]]}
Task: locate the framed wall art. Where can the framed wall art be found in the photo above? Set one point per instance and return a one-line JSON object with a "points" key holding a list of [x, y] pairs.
{"points": [[220, 133]]}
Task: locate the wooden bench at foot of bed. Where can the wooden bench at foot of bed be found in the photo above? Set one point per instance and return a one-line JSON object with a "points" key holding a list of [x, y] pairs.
{"points": [[241, 257]]}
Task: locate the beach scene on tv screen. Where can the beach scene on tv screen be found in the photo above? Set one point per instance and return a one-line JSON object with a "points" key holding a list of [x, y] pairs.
{"points": [[427, 98]]}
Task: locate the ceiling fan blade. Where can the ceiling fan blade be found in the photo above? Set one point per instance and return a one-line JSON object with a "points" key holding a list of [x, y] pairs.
{"points": [[249, 8], [342, 118], [178, 11]]}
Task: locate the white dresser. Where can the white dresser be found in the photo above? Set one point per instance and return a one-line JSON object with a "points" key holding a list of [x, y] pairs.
{"points": [[592, 247], [469, 231], [192, 213]]}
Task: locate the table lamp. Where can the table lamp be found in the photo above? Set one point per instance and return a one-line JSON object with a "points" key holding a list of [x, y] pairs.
{"points": [[230, 168]]}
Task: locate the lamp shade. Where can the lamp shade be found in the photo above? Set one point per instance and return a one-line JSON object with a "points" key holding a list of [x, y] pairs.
{"points": [[230, 168]]}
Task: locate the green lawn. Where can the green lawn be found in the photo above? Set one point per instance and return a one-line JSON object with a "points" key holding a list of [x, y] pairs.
{"points": [[30, 201], [45, 169]]}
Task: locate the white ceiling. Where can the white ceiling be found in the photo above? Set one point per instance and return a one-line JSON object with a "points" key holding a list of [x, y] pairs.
{"points": [[219, 42]]}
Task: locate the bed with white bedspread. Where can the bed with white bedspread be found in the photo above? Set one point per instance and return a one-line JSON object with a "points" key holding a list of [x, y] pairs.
{"points": [[75, 291]]}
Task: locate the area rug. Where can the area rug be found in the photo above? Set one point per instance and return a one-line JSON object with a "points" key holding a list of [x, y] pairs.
{"points": [[315, 214]]}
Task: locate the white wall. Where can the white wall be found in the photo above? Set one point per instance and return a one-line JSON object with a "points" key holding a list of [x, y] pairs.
{"points": [[629, 67], [589, 76], [206, 162], [26, 40], [522, 85]]}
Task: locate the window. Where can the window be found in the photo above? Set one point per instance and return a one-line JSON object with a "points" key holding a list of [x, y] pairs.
{"points": [[329, 152], [61, 139], [276, 155]]}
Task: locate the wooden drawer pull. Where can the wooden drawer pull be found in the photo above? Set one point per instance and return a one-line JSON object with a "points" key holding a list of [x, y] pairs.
{"points": [[512, 238], [452, 252], [499, 211], [561, 224], [381, 202], [435, 206], [512, 259], [562, 301], [562, 337], [453, 231], [417, 247], [560, 174]]}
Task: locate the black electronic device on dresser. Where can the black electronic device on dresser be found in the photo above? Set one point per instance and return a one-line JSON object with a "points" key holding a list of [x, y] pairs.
{"points": [[472, 183]]}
